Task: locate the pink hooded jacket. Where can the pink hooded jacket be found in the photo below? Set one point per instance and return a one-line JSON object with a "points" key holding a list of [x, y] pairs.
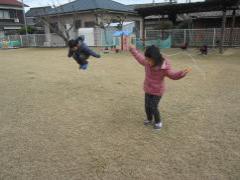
{"points": [[154, 79]]}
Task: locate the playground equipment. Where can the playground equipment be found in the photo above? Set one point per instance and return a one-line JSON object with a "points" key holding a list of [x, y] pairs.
{"points": [[4, 44], [122, 40]]}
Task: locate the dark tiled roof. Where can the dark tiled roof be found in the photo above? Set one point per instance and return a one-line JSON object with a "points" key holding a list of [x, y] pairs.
{"points": [[12, 3], [85, 5], [33, 12]]}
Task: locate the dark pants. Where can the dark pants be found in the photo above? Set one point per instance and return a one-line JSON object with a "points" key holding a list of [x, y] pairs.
{"points": [[151, 107], [80, 60]]}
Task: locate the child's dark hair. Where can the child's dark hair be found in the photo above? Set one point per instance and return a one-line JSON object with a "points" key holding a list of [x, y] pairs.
{"points": [[81, 38], [153, 52], [72, 43]]}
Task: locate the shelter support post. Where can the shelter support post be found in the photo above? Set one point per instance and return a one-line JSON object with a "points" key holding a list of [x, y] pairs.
{"points": [[232, 28], [223, 31]]}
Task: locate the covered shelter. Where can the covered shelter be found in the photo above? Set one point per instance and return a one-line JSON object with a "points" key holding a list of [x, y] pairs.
{"points": [[209, 5]]}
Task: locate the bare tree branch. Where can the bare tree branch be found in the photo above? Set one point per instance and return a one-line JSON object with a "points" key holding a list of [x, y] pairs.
{"points": [[55, 29], [61, 29], [105, 19], [121, 19]]}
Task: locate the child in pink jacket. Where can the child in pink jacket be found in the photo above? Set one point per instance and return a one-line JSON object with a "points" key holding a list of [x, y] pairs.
{"points": [[156, 68]]}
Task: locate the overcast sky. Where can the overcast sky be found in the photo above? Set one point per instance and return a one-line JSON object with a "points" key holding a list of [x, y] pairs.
{"points": [[38, 3]]}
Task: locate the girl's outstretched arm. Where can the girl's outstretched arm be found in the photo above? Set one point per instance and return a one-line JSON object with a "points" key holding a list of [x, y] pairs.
{"points": [[175, 75], [138, 56]]}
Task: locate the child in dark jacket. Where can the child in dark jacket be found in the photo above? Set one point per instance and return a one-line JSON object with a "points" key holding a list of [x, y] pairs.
{"points": [[204, 50], [80, 52]]}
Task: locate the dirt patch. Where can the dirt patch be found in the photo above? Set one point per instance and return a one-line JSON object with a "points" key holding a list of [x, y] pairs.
{"points": [[57, 122]]}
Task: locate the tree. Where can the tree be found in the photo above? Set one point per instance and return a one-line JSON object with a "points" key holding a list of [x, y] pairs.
{"points": [[104, 20], [120, 19], [30, 30], [60, 28], [163, 25]]}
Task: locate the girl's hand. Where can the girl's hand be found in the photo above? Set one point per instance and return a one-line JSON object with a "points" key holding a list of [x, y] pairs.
{"points": [[187, 70], [131, 47]]}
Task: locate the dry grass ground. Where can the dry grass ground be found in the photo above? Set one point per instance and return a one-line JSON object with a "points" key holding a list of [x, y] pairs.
{"points": [[57, 122]]}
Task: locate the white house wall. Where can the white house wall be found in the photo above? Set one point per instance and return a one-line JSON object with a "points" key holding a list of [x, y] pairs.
{"points": [[68, 19], [87, 17]]}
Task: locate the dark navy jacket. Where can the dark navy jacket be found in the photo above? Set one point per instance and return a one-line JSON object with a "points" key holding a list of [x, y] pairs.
{"points": [[83, 49]]}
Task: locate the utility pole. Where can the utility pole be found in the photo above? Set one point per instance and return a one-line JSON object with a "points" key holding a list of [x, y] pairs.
{"points": [[24, 18]]}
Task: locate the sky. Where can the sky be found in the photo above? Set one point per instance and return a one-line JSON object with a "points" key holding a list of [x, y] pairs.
{"points": [[39, 3]]}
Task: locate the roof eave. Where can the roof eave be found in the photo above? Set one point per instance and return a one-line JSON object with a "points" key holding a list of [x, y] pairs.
{"points": [[185, 8], [91, 10], [18, 6]]}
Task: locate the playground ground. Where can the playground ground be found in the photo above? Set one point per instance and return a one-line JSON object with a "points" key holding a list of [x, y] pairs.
{"points": [[57, 122]]}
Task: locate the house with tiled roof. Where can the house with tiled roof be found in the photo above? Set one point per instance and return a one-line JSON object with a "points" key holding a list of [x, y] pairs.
{"points": [[11, 16], [33, 20], [89, 13]]}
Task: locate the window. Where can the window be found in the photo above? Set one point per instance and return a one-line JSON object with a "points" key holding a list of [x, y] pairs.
{"points": [[89, 24], [4, 14], [53, 27], [78, 24], [34, 20]]}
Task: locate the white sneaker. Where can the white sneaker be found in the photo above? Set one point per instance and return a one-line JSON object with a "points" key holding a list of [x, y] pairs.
{"points": [[147, 122], [158, 125]]}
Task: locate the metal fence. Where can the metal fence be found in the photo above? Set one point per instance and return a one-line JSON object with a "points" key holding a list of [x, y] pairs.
{"points": [[35, 40], [196, 37], [177, 37]]}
